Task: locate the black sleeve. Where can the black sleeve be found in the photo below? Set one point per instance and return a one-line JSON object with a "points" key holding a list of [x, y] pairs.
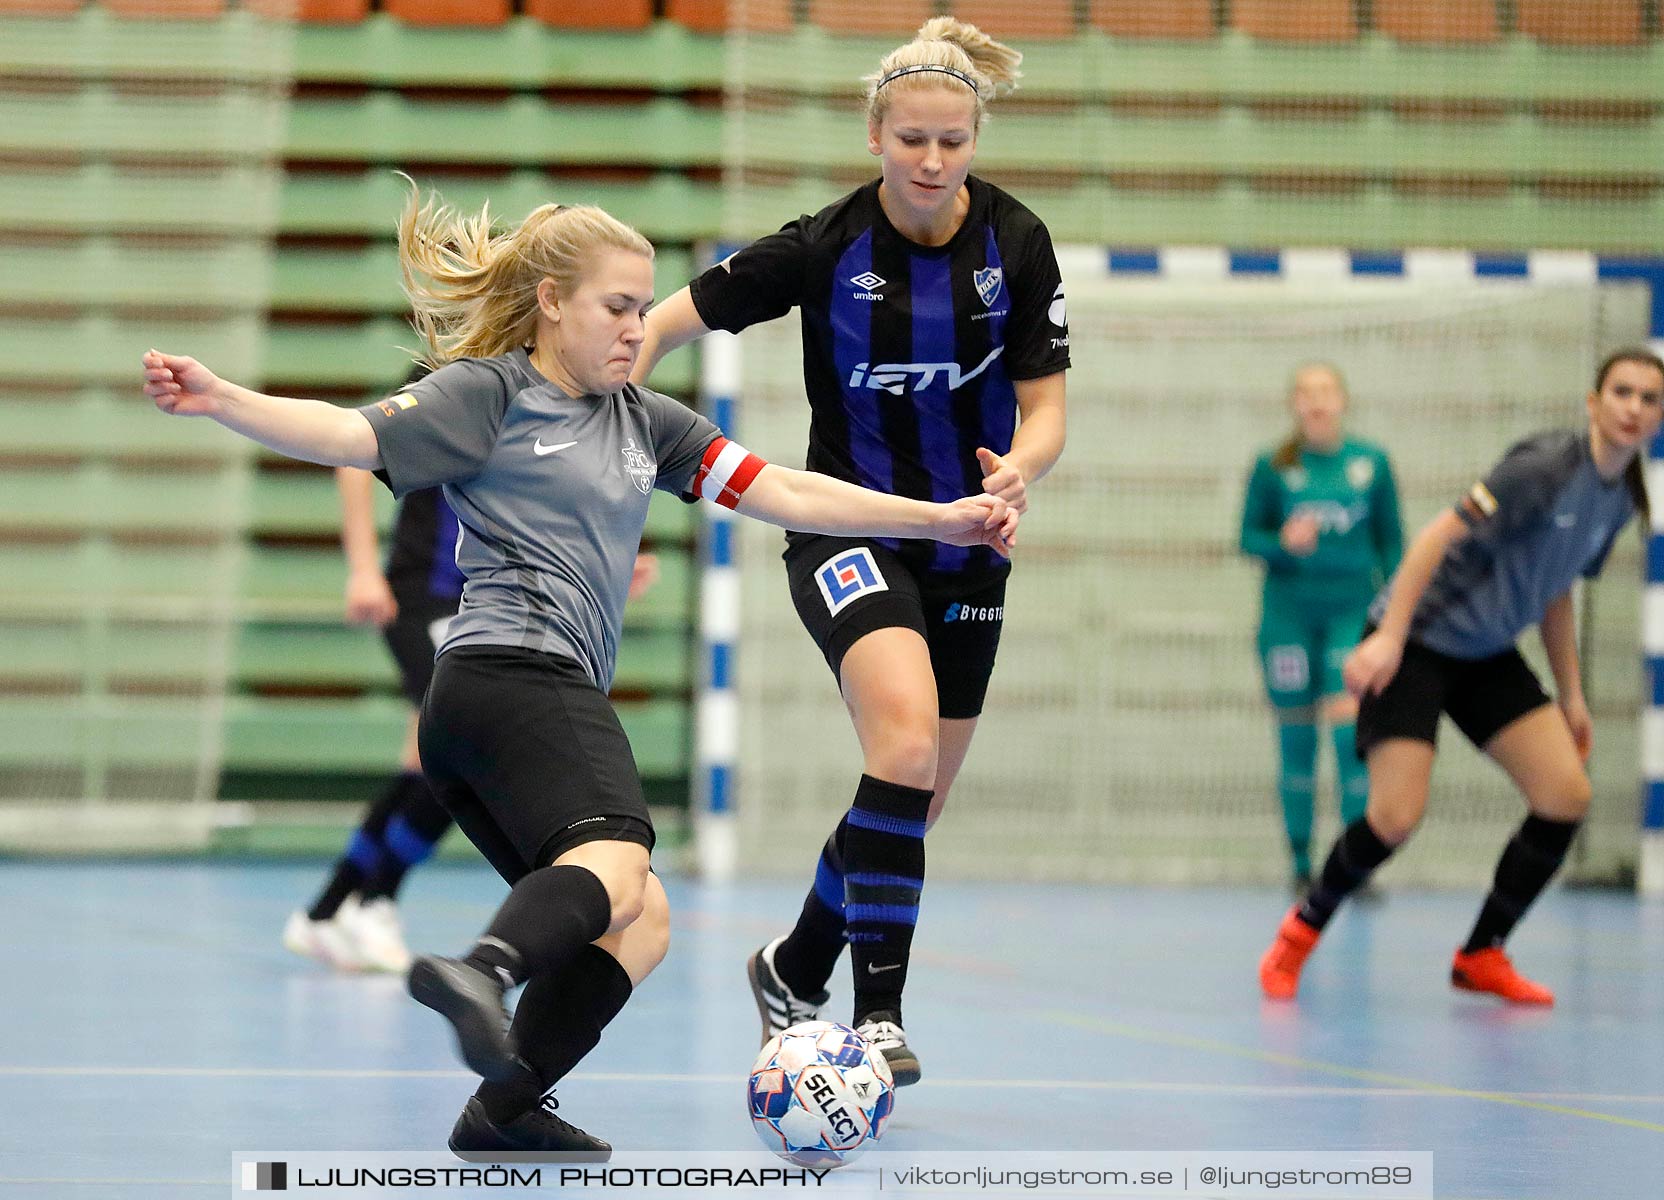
{"points": [[756, 284], [441, 428], [680, 437], [1517, 492], [1037, 336]]}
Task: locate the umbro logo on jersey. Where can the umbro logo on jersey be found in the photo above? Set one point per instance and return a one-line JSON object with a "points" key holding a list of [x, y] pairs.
{"points": [[539, 449], [867, 281]]}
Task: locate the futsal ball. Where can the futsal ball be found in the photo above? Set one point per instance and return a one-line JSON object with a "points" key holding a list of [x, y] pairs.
{"points": [[819, 1094]]}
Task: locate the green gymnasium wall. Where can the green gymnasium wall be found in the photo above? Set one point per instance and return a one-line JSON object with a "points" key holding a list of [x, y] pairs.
{"points": [[227, 182]]}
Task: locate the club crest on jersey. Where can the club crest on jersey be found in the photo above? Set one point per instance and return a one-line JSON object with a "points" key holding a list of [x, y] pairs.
{"points": [[988, 282], [847, 577], [641, 468], [1360, 472]]}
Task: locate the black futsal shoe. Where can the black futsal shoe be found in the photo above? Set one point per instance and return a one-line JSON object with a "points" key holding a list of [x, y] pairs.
{"points": [[473, 1003], [477, 1138]]}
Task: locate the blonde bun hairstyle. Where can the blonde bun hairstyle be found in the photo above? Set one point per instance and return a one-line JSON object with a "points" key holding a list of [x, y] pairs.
{"points": [[945, 53]]}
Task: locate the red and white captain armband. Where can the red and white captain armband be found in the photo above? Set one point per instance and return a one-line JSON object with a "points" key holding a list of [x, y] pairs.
{"points": [[725, 472]]}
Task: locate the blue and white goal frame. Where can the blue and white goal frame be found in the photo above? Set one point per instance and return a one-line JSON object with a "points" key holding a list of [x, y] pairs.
{"points": [[717, 725]]}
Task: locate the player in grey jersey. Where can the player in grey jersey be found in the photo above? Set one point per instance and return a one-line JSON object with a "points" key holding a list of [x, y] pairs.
{"points": [[548, 456], [1503, 558]]}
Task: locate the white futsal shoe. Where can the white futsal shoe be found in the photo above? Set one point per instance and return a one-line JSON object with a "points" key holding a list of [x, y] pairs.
{"points": [[373, 928], [327, 942], [777, 1005], [883, 1032]]}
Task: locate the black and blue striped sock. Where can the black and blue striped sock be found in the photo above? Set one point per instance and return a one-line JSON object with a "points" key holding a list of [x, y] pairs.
{"points": [[365, 856], [883, 876], [805, 960], [409, 838]]}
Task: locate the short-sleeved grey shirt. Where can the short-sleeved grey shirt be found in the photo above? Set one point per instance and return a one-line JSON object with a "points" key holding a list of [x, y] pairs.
{"points": [[550, 492], [1540, 519]]}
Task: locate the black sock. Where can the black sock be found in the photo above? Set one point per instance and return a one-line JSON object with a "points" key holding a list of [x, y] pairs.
{"points": [[559, 1020], [1358, 851], [365, 854], [409, 837], [1528, 862], [805, 960], [549, 916], [884, 874]]}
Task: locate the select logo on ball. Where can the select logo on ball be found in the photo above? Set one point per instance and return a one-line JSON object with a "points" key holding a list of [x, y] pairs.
{"points": [[819, 1094]]}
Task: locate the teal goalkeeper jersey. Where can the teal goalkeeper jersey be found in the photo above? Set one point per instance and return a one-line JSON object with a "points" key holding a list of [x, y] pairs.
{"points": [[1360, 537]]}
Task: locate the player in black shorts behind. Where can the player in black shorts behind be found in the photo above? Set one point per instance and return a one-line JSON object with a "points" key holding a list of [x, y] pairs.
{"points": [[933, 315], [548, 455], [1442, 641]]}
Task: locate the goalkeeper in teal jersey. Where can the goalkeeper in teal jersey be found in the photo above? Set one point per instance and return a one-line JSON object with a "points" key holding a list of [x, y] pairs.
{"points": [[1322, 512]]}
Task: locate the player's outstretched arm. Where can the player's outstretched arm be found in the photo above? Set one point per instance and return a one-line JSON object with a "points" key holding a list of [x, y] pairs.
{"points": [[309, 430], [813, 503]]}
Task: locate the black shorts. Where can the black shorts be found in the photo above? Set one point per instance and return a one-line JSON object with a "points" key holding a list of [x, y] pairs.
{"points": [[845, 588], [412, 637], [1482, 696], [528, 755]]}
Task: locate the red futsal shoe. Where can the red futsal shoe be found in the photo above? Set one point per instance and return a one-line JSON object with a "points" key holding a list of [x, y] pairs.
{"points": [[1280, 967], [1489, 970]]}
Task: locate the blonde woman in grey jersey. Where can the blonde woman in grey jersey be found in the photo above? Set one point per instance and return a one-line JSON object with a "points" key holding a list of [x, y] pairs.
{"points": [[548, 455]]}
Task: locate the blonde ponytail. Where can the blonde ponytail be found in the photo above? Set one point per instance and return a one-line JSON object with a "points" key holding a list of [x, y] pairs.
{"points": [[472, 292], [945, 53]]}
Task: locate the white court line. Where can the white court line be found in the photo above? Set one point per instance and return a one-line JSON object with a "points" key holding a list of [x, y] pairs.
{"points": [[1078, 1085], [1429, 1088]]}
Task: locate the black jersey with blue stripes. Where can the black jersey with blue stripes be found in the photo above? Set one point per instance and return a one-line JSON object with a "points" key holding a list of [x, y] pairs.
{"points": [[910, 352], [421, 564]]}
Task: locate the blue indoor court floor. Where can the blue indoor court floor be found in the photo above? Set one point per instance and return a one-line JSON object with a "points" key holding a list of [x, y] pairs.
{"points": [[152, 1026]]}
